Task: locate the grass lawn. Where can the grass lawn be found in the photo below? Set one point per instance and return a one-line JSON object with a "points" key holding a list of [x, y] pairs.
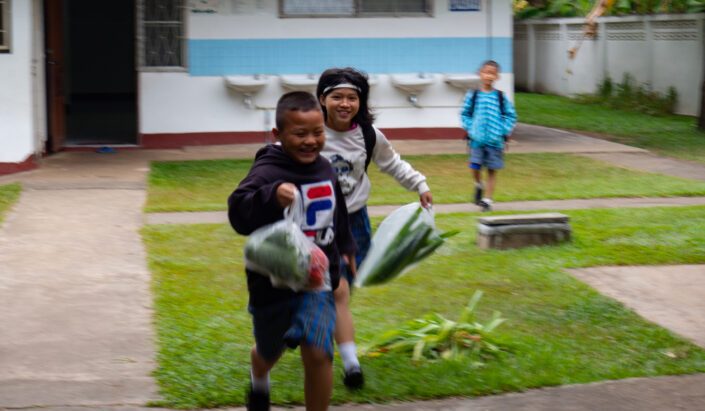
{"points": [[9, 194], [559, 330], [206, 184], [675, 136]]}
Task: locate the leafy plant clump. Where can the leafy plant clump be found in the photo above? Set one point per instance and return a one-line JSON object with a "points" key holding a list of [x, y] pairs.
{"points": [[631, 96], [434, 337]]}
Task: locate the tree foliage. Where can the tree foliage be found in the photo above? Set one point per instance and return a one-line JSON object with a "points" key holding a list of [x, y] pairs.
{"points": [[526, 9]]}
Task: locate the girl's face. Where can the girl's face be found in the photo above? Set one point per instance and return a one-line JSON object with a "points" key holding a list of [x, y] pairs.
{"points": [[342, 104]]}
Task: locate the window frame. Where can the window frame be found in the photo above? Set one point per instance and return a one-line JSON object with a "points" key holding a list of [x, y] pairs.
{"points": [[357, 13], [5, 26], [142, 40]]}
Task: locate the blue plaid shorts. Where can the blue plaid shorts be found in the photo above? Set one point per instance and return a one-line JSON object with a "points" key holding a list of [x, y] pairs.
{"points": [[490, 157], [307, 318], [362, 233]]}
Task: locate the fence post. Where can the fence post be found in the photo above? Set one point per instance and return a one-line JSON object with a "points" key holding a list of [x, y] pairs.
{"points": [[701, 31], [649, 34], [602, 30], [564, 44], [531, 60]]}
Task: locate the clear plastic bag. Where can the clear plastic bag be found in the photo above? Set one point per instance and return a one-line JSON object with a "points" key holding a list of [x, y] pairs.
{"points": [[402, 240], [283, 252]]}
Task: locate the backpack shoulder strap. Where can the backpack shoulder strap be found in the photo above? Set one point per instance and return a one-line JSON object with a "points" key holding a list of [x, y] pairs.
{"points": [[370, 137], [501, 102], [472, 102]]}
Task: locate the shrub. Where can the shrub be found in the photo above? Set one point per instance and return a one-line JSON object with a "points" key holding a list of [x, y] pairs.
{"points": [[632, 96]]}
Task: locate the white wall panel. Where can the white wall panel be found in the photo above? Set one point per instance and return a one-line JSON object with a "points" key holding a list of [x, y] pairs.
{"points": [[16, 128], [658, 51]]}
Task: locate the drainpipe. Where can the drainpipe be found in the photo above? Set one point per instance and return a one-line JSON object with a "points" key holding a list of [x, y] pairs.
{"points": [[38, 81], [489, 30]]}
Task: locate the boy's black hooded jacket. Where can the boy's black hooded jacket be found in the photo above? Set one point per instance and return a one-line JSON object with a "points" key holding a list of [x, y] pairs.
{"points": [[254, 204]]}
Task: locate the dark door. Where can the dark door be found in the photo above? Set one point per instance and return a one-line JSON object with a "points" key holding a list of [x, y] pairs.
{"points": [[55, 75], [99, 76]]}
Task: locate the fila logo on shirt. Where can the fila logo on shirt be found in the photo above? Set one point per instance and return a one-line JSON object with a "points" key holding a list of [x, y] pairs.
{"points": [[319, 209]]}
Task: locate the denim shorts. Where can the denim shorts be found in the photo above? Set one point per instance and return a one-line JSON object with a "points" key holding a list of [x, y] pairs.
{"points": [[307, 318], [490, 157], [362, 232]]}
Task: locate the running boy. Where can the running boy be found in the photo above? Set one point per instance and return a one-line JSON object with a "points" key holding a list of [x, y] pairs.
{"points": [[282, 317], [351, 143], [489, 118]]}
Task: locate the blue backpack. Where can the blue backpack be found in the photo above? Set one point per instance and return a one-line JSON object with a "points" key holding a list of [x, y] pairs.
{"points": [[500, 97]]}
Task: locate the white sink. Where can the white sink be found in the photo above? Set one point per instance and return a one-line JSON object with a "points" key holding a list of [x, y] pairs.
{"points": [[245, 84], [372, 79], [299, 82], [463, 81], [412, 83]]}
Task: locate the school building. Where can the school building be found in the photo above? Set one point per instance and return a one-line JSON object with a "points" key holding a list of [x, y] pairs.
{"points": [[131, 74]]}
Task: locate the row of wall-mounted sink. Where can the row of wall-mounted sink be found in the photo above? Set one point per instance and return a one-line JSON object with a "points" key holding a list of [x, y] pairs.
{"points": [[410, 83]]}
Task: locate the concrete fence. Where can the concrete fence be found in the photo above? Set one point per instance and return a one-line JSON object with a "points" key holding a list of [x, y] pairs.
{"points": [[658, 50]]}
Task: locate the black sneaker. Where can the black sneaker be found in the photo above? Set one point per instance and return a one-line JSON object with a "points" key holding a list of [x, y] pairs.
{"points": [[478, 195], [353, 379], [257, 401], [484, 206]]}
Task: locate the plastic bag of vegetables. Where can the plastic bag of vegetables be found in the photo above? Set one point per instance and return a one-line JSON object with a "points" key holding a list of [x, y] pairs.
{"points": [[402, 240], [283, 252]]}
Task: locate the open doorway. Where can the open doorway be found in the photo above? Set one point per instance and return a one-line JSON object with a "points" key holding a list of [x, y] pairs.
{"points": [[91, 45]]}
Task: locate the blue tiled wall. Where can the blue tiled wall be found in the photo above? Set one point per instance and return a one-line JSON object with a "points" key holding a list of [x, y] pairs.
{"points": [[373, 55]]}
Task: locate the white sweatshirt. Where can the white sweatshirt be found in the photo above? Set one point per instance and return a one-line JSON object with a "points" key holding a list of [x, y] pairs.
{"points": [[346, 152]]}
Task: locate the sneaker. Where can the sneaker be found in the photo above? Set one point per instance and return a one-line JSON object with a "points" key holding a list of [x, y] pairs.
{"points": [[485, 206], [353, 379], [478, 195], [257, 401]]}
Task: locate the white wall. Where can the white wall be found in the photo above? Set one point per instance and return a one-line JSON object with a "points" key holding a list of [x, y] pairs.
{"points": [[16, 126], [659, 50], [259, 19], [178, 103], [188, 102]]}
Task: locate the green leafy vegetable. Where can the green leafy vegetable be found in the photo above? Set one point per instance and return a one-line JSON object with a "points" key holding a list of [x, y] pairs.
{"points": [[390, 256], [434, 337]]}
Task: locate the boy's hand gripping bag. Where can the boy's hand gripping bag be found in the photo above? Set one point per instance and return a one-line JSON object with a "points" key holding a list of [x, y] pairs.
{"points": [[402, 240], [283, 252]]}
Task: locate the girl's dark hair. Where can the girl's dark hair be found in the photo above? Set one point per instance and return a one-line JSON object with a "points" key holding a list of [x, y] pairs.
{"points": [[294, 101], [335, 76]]}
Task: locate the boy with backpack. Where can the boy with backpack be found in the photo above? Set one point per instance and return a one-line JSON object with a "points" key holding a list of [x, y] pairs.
{"points": [[488, 117]]}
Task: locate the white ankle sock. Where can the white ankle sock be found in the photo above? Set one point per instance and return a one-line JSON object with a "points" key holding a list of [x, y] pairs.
{"points": [[348, 354], [487, 200], [259, 384]]}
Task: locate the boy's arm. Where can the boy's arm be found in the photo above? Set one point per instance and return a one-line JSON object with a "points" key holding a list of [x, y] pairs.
{"points": [[253, 204], [466, 112], [510, 116]]}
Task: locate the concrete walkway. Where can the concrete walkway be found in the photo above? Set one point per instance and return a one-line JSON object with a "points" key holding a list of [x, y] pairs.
{"points": [[76, 329]]}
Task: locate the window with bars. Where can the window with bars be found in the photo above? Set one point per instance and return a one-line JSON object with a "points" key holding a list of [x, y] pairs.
{"points": [[354, 8], [4, 26], [161, 34]]}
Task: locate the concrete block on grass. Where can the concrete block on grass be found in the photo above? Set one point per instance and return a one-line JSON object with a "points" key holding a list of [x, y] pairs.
{"points": [[522, 230]]}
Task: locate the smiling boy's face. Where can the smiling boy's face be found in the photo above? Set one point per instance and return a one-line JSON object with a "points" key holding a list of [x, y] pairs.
{"points": [[303, 135], [488, 75]]}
